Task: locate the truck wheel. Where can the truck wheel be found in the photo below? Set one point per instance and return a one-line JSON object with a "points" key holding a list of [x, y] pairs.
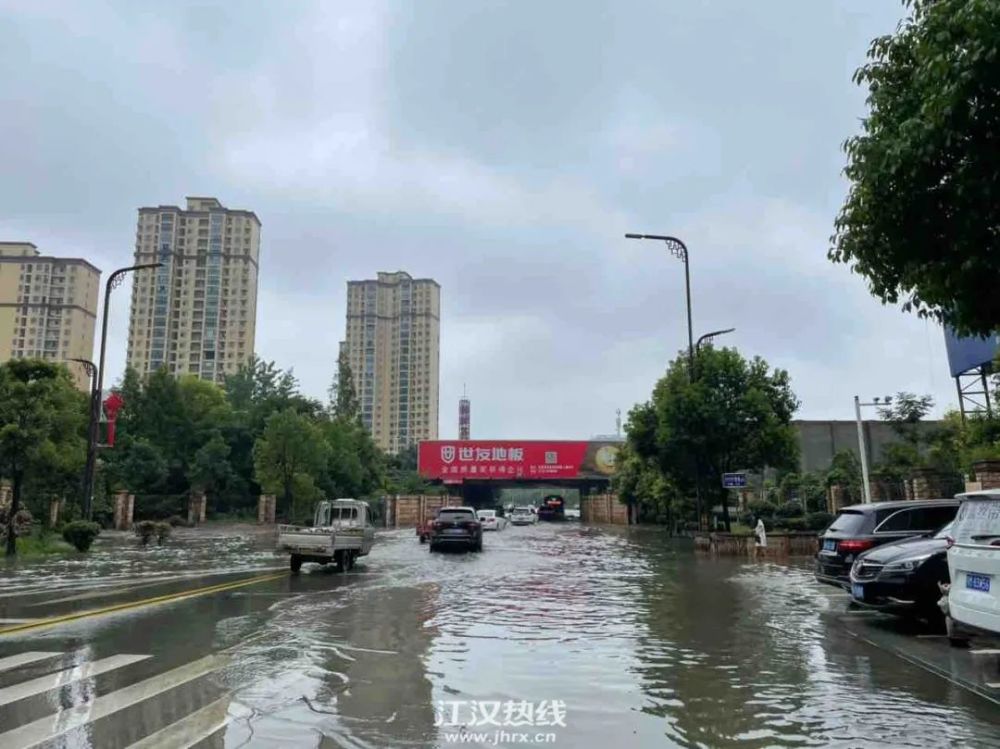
{"points": [[423, 538], [351, 559], [295, 563]]}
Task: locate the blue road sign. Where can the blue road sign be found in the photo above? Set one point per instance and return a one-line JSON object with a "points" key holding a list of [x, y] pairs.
{"points": [[734, 480]]}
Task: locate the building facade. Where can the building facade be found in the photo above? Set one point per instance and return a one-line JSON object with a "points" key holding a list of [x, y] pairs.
{"points": [[48, 307], [393, 345], [197, 314]]}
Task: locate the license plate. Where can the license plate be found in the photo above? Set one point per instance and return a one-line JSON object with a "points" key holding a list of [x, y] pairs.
{"points": [[454, 532], [858, 591], [829, 545], [977, 582]]}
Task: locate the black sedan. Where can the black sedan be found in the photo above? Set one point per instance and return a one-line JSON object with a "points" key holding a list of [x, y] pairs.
{"points": [[903, 577]]}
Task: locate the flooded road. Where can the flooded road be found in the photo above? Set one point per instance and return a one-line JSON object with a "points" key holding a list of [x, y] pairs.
{"points": [[555, 634]]}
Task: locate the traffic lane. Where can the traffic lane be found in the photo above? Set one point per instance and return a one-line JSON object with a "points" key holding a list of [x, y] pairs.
{"points": [[921, 643], [125, 655]]}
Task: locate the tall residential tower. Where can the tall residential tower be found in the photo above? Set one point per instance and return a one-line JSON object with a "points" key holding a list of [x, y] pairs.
{"points": [[197, 314], [393, 345], [48, 307]]}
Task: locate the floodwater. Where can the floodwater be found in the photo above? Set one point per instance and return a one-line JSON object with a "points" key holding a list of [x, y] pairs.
{"points": [[554, 635]]}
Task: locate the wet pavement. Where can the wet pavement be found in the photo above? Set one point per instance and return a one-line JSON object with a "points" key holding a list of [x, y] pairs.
{"points": [[554, 634]]}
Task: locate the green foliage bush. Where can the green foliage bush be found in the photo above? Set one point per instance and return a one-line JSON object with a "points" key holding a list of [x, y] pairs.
{"points": [[818, 521], [789, 510], [81, 534], [146, 530], [175, 521]]}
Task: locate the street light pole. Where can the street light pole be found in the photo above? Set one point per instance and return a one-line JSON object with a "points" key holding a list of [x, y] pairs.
{"points": [[866, 488], [114, 281], [679, 250]]}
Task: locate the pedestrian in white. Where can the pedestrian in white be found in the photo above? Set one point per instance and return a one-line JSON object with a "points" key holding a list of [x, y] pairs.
{"points": [[760, 533]]}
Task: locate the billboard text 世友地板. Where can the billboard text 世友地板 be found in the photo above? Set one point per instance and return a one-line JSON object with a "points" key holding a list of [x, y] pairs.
{"points": [[451, 460]]}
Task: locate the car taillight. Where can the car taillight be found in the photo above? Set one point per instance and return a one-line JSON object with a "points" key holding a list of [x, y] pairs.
{"points": [[948, 542], [470, 524], [854, 545], [437, 525]]}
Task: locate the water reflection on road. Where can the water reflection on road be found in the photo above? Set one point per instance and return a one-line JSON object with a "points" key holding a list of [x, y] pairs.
{"points": [[643, 641]]}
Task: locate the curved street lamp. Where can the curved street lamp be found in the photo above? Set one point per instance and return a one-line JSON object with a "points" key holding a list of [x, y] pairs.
{"points": [[116, 279], [680, 251]]}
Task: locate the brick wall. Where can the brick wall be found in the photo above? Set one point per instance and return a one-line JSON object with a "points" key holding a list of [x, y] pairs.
{"points": [[407, 511], [603, 508]]}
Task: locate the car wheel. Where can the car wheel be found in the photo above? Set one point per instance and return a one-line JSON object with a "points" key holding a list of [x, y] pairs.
{"points": [[423, 539], [433, 547], [954, 638], [295, 563]]}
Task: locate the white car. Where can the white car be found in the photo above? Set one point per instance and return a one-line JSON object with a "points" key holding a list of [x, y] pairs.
{"points": [[974, 567], [490, 520], [523, 516]]}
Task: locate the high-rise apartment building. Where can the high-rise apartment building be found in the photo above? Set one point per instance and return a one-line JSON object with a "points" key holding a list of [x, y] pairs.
{"points": [[48, 307], [197, 314], [393, 345]]}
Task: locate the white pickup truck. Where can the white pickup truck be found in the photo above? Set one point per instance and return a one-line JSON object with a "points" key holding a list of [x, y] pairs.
{"points": [[341, 532]]}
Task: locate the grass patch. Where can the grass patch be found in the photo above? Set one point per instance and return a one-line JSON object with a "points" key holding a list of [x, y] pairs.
{"points": [[38, 546], [738, 529]]}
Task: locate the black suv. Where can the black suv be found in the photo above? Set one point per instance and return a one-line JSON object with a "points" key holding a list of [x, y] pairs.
{"points": [[861, 527]]}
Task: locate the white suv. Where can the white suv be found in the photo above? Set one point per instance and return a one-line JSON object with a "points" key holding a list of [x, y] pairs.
{"points": [[974, 567]]}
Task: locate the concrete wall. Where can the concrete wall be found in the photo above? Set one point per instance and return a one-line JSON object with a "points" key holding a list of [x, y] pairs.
{"points": [[819, 441]]}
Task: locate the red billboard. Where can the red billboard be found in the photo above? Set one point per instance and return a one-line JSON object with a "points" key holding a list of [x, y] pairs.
{"points": [[454, 461]]}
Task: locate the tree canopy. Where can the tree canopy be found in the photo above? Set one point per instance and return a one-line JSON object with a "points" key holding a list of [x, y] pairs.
{"points": [[736, 415], [921, 221], [42, 419]]}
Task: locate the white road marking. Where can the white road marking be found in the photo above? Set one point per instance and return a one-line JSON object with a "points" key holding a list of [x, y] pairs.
{"points": [[22, 659], [985, 651], [17, 621], [60, 723], [68, 676], [189, 730], [993, 685]]}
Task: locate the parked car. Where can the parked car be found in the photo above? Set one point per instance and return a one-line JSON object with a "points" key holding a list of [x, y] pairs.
{"points": [[859, 528], [904, 577], [553, 508], [456, 526], [491, 521], [523, 516], [973, 604]]}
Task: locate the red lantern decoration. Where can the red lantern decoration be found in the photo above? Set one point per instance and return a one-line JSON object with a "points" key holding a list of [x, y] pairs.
{"points": [[112, 405]]}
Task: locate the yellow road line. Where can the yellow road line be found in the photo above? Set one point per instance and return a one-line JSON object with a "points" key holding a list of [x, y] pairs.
{"points": [[53, 621]]}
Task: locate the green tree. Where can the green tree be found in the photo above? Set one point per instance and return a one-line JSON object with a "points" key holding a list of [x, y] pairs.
{"points": [[921, 220], [735, 416], [210, 471], [41, 415], [343, 398], [289, 456], [845, 471]]}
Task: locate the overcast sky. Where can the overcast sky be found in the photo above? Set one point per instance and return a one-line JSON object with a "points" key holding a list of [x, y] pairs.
{"points": [[502, 149]]}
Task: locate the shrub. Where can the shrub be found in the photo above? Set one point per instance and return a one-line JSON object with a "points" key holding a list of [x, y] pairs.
{"points": [[177, 521], [145, 530], [795, 524], [789, 510], [817, 521], [162, 531], [761, 508], [81, 534]]}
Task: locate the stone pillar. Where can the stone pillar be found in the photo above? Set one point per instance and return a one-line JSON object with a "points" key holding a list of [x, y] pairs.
{"points": [[835, 498], [55, 506], [124, 509], [987, 473], [196, 508], [266, 504], [931, 484]]}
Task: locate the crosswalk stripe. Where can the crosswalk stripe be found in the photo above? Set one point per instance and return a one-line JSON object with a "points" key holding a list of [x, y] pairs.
{"points": [[189, 730], [67, 676], [22, 659], [58, 724]]}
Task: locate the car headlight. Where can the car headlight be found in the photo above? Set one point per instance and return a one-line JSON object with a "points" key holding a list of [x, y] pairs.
{"points": [[906, 565]]}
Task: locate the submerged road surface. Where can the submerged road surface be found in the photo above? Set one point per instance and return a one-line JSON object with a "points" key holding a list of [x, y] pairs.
{"points": [[554, 635]]}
